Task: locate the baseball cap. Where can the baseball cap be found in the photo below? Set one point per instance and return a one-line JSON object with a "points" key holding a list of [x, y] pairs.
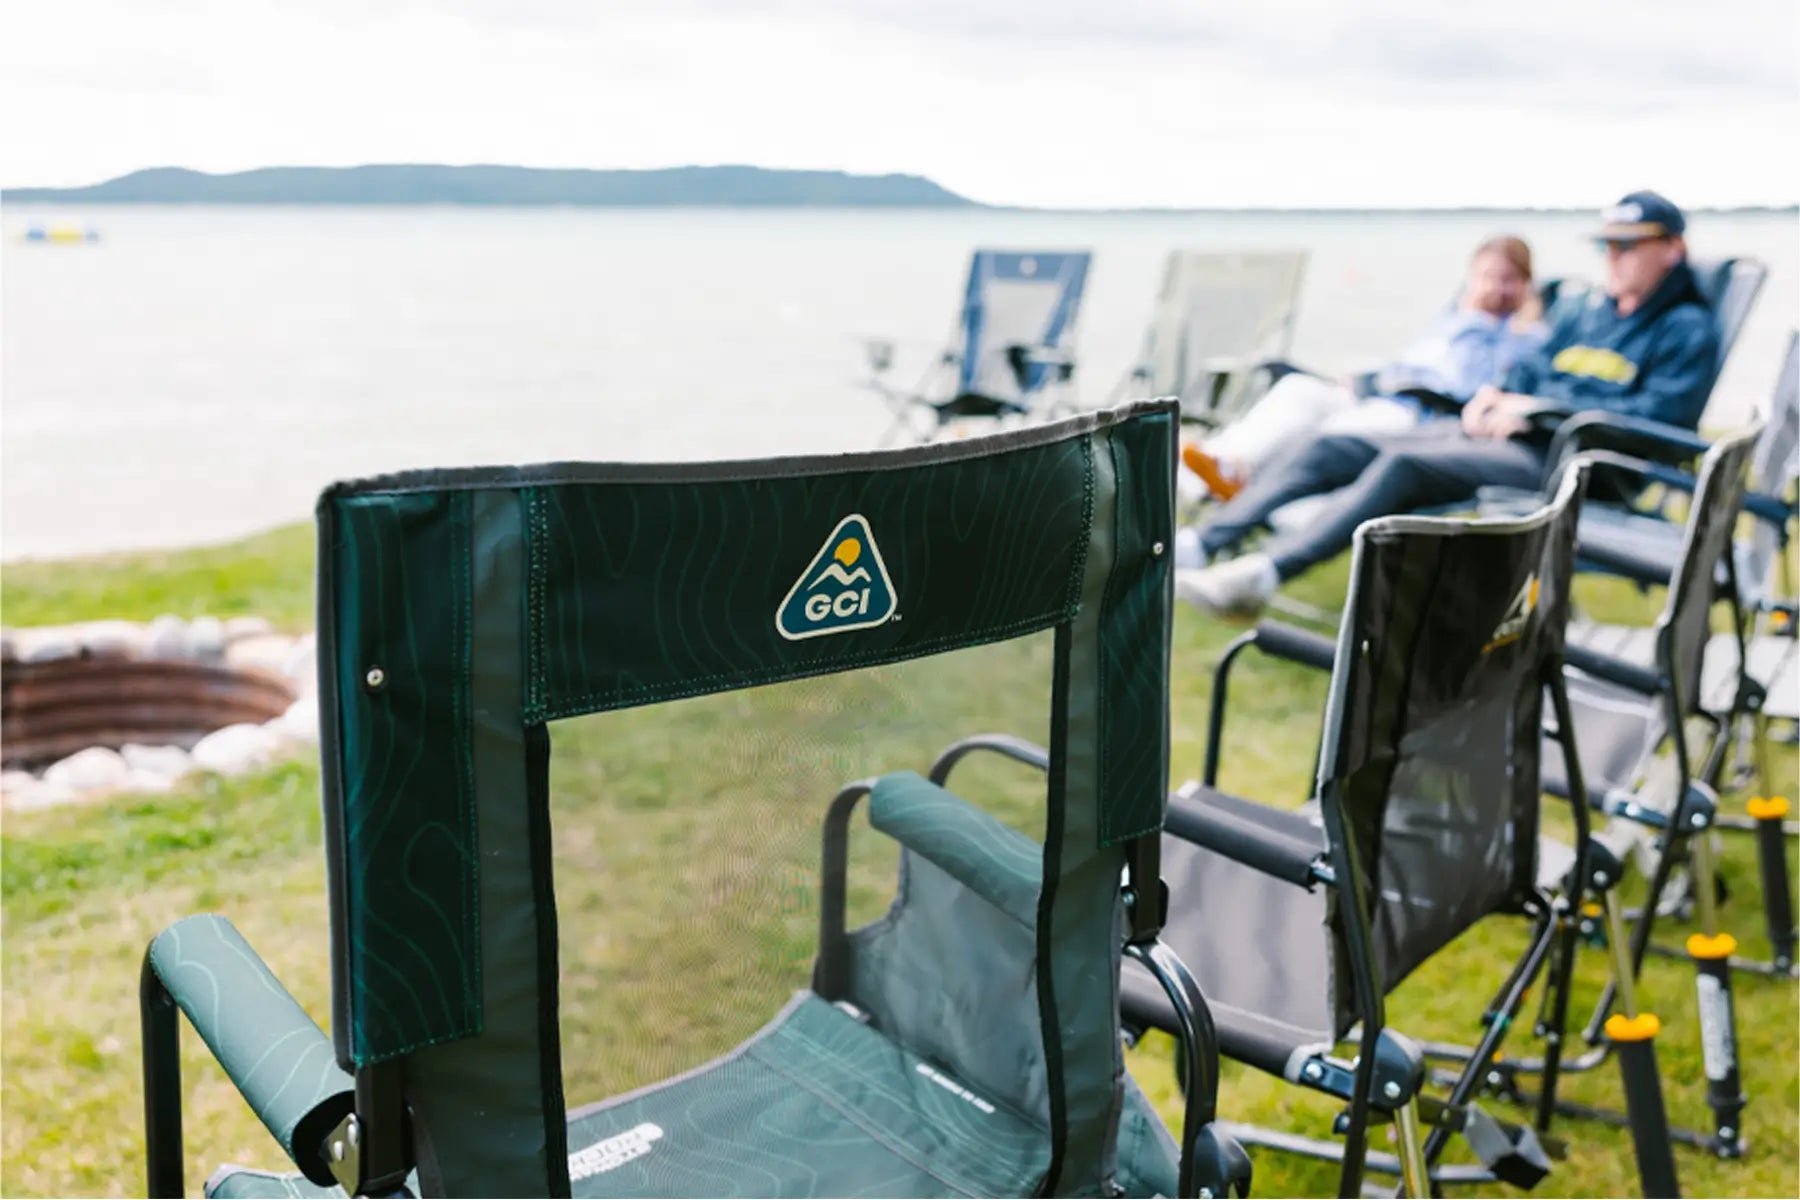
{"points": [[1637, 216]]}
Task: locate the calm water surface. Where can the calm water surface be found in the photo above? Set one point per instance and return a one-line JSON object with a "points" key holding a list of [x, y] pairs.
{"points": [[202, 373]]}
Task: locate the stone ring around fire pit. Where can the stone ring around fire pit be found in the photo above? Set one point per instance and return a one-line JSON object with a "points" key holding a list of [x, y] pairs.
{"points": [[102, 707]]}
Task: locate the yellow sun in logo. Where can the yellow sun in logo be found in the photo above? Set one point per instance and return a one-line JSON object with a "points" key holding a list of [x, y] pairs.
{"points": [[848, 551]]}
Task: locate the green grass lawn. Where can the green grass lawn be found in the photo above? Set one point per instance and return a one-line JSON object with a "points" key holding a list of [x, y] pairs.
{"points": [[716, 800]]}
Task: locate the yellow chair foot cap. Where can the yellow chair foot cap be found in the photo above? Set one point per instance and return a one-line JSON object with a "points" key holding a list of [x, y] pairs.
{"points": [[1641, 1028], [1719, 945], [1772, 808]]}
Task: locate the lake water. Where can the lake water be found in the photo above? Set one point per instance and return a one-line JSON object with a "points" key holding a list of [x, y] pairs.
{"points": [[201, 373]]}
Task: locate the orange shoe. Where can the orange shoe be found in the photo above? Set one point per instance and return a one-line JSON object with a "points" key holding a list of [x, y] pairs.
{"points": [[1210, 472]]}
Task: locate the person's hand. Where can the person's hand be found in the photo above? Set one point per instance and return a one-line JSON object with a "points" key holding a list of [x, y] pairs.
{"points": [[1475, 412], [1496, 414]]}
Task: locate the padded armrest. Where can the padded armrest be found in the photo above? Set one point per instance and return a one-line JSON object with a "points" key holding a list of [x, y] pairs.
{"points": [[999, 864], [1296, 645], [1596, 551], [1229, 826], [1435, 401], [1613, 670], [1648, 439], [279, 1059]]}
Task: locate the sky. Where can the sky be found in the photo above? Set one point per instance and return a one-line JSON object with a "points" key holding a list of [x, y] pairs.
{"points": [[1051, 103]]}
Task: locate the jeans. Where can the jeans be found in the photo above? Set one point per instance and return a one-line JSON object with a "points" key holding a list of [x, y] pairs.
{"points": [[1373, 476]]}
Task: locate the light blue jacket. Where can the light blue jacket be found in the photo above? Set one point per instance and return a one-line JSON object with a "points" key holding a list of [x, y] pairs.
{"points": [[1460, 352]]}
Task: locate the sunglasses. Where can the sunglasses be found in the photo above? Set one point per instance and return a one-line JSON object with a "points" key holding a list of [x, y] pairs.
{"points": [[1626, 245]]}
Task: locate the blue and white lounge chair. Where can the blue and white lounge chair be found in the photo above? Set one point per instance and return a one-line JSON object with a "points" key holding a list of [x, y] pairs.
{"points": [[1011, 354]]}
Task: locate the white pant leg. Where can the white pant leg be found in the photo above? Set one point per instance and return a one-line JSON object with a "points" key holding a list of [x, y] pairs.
{"points": [[1378, 414], [1295, 406]]}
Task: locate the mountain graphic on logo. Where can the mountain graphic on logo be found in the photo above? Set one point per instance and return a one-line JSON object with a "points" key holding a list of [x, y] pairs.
{"points": [[835, 571], [1518, 614], [845, 587]]}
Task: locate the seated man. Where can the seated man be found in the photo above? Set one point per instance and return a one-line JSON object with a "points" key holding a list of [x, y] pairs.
{"points": [[1496, 320], [1647, 349]]}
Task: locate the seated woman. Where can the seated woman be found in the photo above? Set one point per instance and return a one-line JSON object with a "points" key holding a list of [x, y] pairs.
{"points": [[1496, 320]]}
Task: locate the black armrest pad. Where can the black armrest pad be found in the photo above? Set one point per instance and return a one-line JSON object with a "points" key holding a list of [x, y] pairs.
{"points": [[1219, 823], [1296, 645], [1620, 561], [1613, 670], [1599, 429], [1433, 400]]}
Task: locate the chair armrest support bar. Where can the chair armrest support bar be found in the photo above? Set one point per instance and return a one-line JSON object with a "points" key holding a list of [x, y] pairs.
{"points": [[280, 1061], [1224, 832]]}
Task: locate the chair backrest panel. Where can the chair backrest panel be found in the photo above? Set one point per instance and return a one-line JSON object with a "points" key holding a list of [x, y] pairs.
{"points": [[1731, 286], [1685, 624], [1024, 299], [1432, 733], [460, 611], [1774, 467], [1227, 304]]}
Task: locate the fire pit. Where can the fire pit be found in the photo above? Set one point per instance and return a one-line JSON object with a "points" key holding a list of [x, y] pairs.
{"points": [[109, 706]]}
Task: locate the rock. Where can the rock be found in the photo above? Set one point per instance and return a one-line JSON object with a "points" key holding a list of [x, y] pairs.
{"points": [[41, 794], [168, 762], [236, 749], [264, 651], [47, 644], [89, 770], [238, 628], [167, 637], [148, 783], [206, 639], [300, 722], [302, 665], [112, 639]]}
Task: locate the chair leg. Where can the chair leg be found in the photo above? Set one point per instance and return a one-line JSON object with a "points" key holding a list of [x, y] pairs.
{"points": [[1412, 1151], [162, 1085], [1711, 953], [1768, 810], [1634, 1036], [1562, 975]]}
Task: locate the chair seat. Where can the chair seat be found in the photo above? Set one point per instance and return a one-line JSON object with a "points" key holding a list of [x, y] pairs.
{"points": [[1774, 663], [1616, 728], [816, 1104], [1257, 947], [1651, 544]]}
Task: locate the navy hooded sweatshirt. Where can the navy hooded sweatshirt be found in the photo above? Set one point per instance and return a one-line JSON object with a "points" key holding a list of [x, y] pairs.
{"points": [[1657, 364]]}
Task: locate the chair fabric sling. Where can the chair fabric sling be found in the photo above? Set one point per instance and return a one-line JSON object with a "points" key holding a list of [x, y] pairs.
{"points": [[1218, 315], [1426, 805], [969, 1042]]}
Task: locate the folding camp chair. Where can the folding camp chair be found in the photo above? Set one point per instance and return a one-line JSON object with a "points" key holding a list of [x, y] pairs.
{"points": [[1622, 710], [1219, 314], [1012, 354], [964, 1043], [1425, 821], [1751, 675]]}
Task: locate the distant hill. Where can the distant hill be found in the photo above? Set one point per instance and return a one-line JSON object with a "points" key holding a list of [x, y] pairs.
{"points": [[429, 184]]}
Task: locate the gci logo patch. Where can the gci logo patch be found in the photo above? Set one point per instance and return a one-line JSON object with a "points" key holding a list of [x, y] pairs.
{"points": [[846, 587]]}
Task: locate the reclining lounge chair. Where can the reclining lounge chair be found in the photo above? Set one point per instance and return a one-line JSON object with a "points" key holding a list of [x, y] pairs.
{"points": [[1012, 355], [1219, 315]]}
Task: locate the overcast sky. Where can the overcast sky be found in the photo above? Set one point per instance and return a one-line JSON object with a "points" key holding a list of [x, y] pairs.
{"points": [[1076, 103]]}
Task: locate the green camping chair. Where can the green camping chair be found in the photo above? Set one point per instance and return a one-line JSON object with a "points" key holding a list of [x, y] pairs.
{"points": [[964, 1042]]}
